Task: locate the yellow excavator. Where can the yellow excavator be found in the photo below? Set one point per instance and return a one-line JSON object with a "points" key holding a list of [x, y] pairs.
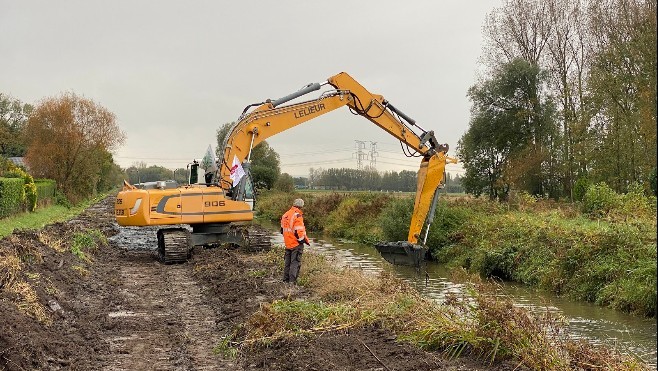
{"points": [[212, 208]]}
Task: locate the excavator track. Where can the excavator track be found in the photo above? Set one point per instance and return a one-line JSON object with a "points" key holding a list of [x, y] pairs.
{"points": [[256, 238], [174, 245]]}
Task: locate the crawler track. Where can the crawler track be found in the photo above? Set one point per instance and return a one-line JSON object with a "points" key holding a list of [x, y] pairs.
{"points": [[257, 238], [174, 245]]}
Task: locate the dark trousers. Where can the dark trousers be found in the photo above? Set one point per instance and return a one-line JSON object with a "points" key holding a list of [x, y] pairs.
{"points": [[293, 261]]}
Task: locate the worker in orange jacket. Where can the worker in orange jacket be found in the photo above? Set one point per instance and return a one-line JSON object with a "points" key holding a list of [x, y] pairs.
{"points": [[294, 237]]}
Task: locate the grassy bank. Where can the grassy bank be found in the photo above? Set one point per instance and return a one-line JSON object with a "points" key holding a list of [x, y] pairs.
{"points": [[43, 216], [344, 215], [484, 325], [610, 263], [602, 251]]}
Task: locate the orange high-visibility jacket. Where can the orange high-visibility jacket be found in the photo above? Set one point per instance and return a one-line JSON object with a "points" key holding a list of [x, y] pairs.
{"points": [[292, 226]]}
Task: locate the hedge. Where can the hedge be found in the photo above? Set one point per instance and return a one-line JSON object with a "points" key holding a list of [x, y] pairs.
{"points": [[12, 195]]}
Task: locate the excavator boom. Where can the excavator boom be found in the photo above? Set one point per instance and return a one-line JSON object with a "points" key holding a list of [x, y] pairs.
{"points": [[270, 118], [208, 208]]}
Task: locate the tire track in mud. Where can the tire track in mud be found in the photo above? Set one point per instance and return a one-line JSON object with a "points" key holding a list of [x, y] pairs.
{"points": [[158, 319]]}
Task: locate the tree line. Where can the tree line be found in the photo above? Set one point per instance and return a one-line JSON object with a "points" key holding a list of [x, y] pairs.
{"points": [[367, 180], [569, 99]]}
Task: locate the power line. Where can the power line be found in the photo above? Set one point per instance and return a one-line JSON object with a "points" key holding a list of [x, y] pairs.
{"points": [[315, 153], [317, 162]]}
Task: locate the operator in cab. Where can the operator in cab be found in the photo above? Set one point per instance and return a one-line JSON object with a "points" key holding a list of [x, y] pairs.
{"points": [[294, 237]]}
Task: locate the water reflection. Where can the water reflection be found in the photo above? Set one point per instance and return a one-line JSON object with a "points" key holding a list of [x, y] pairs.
{"points": [[599, 325]]}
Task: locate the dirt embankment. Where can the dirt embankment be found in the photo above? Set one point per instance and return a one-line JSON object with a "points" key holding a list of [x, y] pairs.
{"points": [[122, 310]]}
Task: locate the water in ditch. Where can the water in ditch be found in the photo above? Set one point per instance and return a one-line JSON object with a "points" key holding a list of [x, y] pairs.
{"points": [[629, 333]]}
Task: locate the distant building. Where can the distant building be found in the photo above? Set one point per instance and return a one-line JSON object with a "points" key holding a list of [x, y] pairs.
{"points": [[18, 161]]}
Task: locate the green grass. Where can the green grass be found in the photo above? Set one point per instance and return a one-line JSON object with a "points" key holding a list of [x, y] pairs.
{"points": [[85, 241], [42, 217], [609, 263]]}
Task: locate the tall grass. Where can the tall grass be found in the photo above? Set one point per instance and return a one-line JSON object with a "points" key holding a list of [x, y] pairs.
{"points": [[602, 250], [609, 263], [482, 325]]}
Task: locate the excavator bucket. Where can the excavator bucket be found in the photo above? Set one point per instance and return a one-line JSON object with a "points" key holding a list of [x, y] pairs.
{"points": [[402, 253]]}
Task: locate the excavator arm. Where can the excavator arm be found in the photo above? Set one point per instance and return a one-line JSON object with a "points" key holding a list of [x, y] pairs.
{"points": [[272, 117]]}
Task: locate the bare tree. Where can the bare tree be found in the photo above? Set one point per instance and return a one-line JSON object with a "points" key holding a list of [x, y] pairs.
{"points": [[518, 29]]}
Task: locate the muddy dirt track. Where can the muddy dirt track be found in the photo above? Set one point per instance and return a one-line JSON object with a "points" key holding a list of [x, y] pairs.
{"points": [[124, 310]]}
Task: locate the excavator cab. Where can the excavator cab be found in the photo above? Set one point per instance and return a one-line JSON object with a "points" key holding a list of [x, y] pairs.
{"points": [[249, 193]]}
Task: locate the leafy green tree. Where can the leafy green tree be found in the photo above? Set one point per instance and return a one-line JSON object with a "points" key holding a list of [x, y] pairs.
{"points": [[265, 167], [580, 188], [13, 116], [453, 183], [110, 174], [180, 175], [285, 183], [622, 89], [507, 143], [600, 61], [391, 181], [221, 134], [300, 182], [408, 181]]}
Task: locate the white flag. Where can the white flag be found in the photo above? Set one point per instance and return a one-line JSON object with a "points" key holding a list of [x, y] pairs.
{"points": [[237, 172]]}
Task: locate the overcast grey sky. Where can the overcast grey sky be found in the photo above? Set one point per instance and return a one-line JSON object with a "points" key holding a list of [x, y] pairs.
{"points": [[174, 71]]}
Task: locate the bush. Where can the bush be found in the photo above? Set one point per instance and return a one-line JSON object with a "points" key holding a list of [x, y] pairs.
{"points": [[609, 263], [272, 204], [30, 191], [12, 196], [354, 216], [319, 208], [30, 196], [284, 183], [580, 188], [446, 226], [635, 203], [395, 219], [599, 200], [61, 199]]}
